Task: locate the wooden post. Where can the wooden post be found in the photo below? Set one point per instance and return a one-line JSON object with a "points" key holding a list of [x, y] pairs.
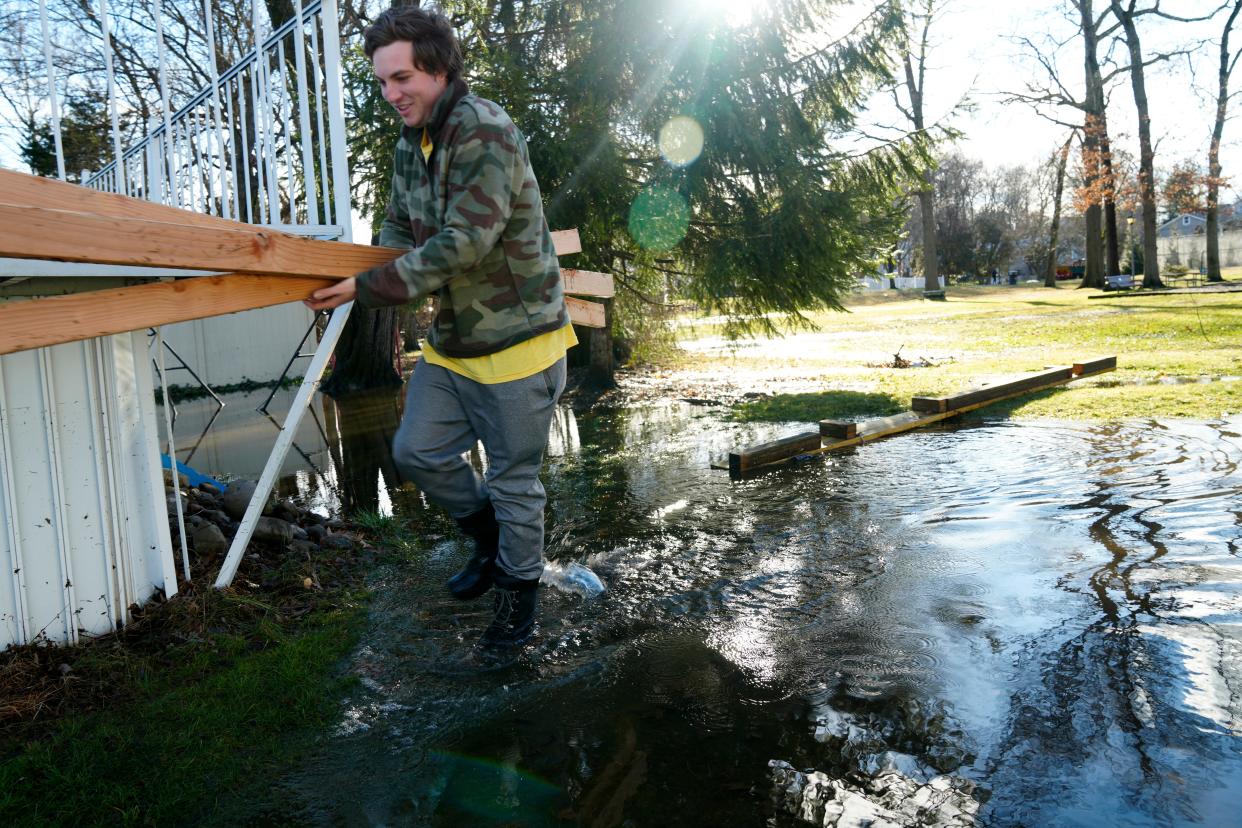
{"points": [[600, 368]]}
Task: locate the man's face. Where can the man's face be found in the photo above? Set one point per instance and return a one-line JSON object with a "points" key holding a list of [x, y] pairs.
{"points": [[409, 89]]}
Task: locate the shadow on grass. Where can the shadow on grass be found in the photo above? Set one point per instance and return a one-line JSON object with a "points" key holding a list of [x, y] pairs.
{"points": [[812, 407], [1187, 307]]}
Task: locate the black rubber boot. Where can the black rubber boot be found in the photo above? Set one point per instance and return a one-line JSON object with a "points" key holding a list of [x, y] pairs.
{"points": [[476, 577], [514, 619]]}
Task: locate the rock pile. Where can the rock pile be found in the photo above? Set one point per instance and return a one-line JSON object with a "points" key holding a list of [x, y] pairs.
{"points": [[875, 785], [887, 799], [212, 518]]}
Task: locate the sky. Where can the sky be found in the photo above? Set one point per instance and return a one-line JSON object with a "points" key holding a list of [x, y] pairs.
{"points": [[974, 53]]}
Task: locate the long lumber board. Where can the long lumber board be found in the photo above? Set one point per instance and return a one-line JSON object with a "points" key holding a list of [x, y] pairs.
{"points": [[763, 457], [587, 283], [126, 231], [52, 320], [33, 191], [70, 236]]}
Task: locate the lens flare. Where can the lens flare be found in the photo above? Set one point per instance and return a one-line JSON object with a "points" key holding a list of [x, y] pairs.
{"points": [[659, 218], [681, 141]]}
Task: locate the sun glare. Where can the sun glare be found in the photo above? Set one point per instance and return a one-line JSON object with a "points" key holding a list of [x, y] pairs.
{"points": [[731, 12]]}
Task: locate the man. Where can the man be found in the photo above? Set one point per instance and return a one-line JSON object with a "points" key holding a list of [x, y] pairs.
{"points": [[465, 202]]}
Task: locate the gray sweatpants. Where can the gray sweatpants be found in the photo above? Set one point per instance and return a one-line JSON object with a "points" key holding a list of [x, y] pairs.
{"points": [[445, 414]]}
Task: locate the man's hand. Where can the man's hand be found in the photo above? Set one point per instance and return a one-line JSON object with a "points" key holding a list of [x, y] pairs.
{"points": [[330, 297]]}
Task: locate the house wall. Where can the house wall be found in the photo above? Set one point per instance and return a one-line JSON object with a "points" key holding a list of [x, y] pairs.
{"points": [[1191, 251], [81, 490], [252, 345]]}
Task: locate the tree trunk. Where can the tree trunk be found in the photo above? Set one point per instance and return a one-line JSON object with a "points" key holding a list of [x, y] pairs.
{"points": [[1147, 175], [927, 195], [931, 262], [1093, 107], [1214, 168], [364, 356], [1112, 255], [1094, 275], [1054, 232], [599, 346]]}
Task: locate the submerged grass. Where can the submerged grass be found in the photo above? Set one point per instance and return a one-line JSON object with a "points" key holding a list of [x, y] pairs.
{"points": [[186, 716], [1178, 355]]}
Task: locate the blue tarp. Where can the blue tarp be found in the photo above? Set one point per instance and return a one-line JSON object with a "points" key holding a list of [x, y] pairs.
{"points": [[194, 477]]}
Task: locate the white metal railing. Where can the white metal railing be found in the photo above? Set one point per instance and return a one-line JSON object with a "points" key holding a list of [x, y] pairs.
{"points": [[263, 143]]}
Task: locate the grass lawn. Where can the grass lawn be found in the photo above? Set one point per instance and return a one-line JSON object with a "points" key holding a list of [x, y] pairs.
{"points": [[188, 715], [1178, 355]]}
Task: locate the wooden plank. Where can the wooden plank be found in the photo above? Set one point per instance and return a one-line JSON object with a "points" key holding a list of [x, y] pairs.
{"points": [[587, 283], [1097, 365], [566, 242], [51, 320], [955, 402], [746, 459], [28, 191], [33, 191], [839, 429], [587, 314], [65, 235]]}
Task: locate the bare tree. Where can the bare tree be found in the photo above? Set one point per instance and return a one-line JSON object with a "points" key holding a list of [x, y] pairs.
{"points": [[914, 61], [1054, 229], [1095, 190], [1228, 61], [1127, 15]]}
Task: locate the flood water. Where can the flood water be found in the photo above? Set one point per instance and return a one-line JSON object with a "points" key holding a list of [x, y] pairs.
{"points": [[1049, 609]]}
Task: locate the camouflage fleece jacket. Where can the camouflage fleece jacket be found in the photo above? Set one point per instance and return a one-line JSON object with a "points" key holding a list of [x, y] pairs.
{"points": [[473, 217]]}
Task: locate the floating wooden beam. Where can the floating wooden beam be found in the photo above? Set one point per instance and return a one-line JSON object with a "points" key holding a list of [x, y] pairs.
{"points": [[771, 455], [741, 462], [956, 402], [587, 314], [51, 320], [839, 429]]}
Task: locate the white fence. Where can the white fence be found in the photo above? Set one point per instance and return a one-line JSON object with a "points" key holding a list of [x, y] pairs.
{"points": [[890, 282]]}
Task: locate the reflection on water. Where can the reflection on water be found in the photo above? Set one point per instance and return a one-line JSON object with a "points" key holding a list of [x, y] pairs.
{"points": [[1052, 610]]}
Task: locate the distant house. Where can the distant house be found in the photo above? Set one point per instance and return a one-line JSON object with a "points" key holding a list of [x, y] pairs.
{"points": [[1186, 224]]}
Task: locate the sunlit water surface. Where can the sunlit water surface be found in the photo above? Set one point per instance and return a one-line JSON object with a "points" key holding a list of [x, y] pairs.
{"points": [[1050, 609]]}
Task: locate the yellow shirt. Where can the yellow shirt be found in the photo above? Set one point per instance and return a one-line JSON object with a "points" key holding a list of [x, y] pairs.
{"points": [[513, 363], [425, 145]]}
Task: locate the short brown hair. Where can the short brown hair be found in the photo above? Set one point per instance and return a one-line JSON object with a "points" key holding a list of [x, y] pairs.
{"points": [[428, 31]]}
